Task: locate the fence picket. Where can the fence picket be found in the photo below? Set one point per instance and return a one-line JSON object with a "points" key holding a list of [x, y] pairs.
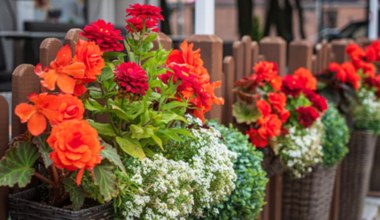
{"points": [[255, 49], [24, 82], [164, 40], [72, 37], [4, 139], [274, 49], [238, 54], [247, 41], [229, 79], [338, 47], [212, 54], [300, 55], [48, 50]]}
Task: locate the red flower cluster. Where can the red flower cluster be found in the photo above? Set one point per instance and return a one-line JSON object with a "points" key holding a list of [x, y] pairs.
{"points": [[307, 115], [372, 52], [345, 73], [271, 104], [143, 17], [131, 78], [105, 35], [301, 80], [361, 59], [187, 66]]}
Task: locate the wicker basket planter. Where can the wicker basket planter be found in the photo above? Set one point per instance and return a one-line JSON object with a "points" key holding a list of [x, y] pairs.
{"points": [[21, 207], [308, 198], [355, 175], [374, 185], [272, 164]]}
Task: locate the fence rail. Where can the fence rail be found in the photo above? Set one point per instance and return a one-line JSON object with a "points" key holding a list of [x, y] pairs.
{"points": [[228, 69]]}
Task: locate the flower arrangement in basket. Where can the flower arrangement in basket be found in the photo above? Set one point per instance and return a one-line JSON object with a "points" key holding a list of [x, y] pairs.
{"points": [[125, 123]]}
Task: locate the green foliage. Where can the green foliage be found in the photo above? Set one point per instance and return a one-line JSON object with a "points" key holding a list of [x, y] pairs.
{"points": [[336, 137], [43, 148], [16, 167], [137, 124], [247, 199], [366, 112], [257, 34], [77, 194], [110, 153], [245, 113], [105, 178]]}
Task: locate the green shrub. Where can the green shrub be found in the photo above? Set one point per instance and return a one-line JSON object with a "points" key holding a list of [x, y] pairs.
{"points": [[247, 200], [336, 137]]}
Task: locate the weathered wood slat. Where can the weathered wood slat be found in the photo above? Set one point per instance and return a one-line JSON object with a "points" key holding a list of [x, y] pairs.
{"points": [[247, 41], [238, 54], [4, 139], [229, 79], [274, 49], [300, 54], [48, 50]]}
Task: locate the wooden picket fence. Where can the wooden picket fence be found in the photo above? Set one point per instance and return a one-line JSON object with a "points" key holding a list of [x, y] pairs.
{"points": [[228, 69]]}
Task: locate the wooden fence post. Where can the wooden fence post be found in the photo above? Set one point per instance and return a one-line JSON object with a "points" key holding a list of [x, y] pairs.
{"points": [[255, 54], [164, 40], [48, 50], [212, 53], [300, 55], [274, 49], [4, 139], [227, 86], [247, 42], [72, 37], [323, 56], [339, 49], [24, 82], [238, 55]]}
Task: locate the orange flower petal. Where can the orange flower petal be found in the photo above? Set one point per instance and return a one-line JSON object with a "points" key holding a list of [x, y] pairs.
{"points": [[64, 56], [76, 70], [25, 111], [66, 83], [49, 79], [37, 124], [79, 176]]}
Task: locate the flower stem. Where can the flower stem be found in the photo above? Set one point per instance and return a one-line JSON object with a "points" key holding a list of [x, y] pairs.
{"points": [[55, 175], [43, 179]]}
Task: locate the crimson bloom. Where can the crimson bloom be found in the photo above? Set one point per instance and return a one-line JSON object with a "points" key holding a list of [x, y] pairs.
{"points": [[292, 86], [131, 78], [143, 16], [258, 140], [318, 101], [105, 35], [307, 115]]}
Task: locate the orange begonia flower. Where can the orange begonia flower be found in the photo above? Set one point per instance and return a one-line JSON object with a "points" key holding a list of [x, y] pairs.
{"points": [[62, 71], [35, 115], [90, 54], [75, 146], [187, 63], [55, 108], [307, 78]]}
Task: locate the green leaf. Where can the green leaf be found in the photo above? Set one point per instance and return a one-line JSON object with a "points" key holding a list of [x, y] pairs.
{"points": [[105, 178], [131, 147], [158, 141], [139, 132], [110, 153], [16, 167], [77, 194], [245, 113], [102, 129], [107, 74], [170, 116], [43, 148], [113, 55], [173, 104], [92, 105]]}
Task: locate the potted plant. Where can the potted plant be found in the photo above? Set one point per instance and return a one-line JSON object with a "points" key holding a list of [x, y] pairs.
{"points": [[351, 88], [151, 156]]}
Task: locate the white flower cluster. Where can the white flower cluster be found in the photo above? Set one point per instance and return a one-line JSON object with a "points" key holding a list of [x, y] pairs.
{"points": [[301, 149], [369, 101], [176, 189]]}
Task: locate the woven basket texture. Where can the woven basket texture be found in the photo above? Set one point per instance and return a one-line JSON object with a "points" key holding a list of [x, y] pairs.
{"points": [[374, 185], [308, 198], [22, 208], [355, 175]]}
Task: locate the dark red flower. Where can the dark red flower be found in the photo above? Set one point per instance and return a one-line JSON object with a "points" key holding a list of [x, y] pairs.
{"points": [[144, 12], [136, 24], [318, 101], [105, 35], [340, 74], [307, 115], [131, 78], [292, 86], [263, 107], [258, 140]]}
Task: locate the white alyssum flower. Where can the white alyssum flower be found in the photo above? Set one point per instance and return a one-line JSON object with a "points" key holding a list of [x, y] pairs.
{"points": [[301, 149], [183, 185]]}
